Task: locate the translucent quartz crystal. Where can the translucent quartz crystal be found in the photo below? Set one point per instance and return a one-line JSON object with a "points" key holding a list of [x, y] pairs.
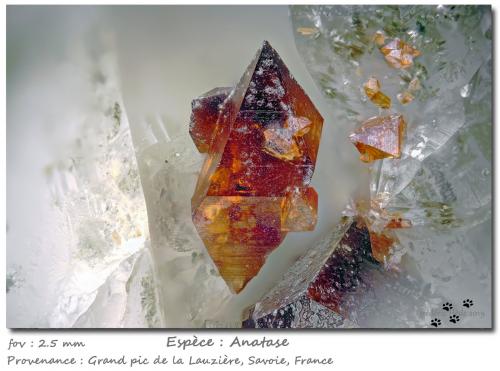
{"points": [[399, 54], [262, 148], [372, 91], [454, 43], [452, 189], [379, 137], [339, 284], [439, 189]]}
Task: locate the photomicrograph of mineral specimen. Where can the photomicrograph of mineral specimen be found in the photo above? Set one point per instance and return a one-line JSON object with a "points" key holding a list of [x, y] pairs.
{"points": [[262, 140], [101, 167]]}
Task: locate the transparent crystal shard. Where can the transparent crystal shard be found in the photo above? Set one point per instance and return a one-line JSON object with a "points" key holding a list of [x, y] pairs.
{"points": [[453, 186], [106, 216], [169, 164]]}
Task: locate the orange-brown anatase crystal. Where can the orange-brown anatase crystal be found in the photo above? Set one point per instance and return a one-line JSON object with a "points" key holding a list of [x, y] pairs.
{"points": [[261, 149], [399, 54], [405, 97], [380, 137], [382, 242], [372, 91], [379, 38]]}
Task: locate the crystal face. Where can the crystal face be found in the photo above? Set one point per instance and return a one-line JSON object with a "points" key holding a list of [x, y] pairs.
{"points": [[341, 273], [205, 110], [261, 149], [283, 143], [379, 137]]}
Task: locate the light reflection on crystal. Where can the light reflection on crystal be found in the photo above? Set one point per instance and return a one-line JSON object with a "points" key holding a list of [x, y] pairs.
{"points": [[465, 91]]}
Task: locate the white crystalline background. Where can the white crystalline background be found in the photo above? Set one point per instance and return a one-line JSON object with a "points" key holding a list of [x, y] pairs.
{"points": [[442, 182], [76, 216]]}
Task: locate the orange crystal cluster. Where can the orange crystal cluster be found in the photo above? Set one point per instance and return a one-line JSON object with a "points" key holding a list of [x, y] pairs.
{"points": [[261, 140], [382, 137], [399, 54], [379, 137]]}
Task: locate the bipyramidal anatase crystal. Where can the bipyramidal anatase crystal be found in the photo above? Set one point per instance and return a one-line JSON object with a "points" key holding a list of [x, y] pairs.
{"points": [[261, 140]]}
